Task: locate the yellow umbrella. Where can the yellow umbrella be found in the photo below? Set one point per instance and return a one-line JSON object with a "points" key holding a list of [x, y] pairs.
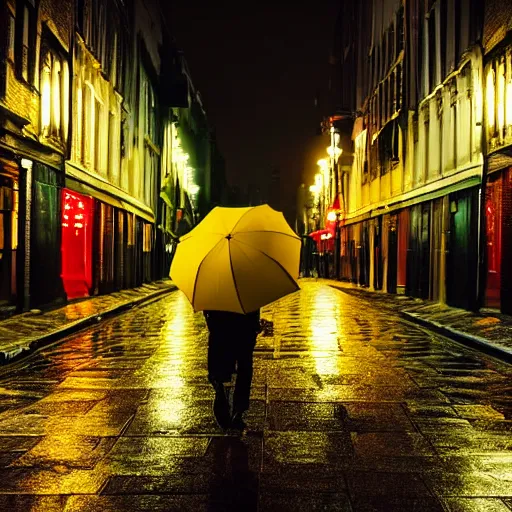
{"points": [[237, 259]]}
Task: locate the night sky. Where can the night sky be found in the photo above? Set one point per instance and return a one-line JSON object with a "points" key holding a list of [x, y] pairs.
{"points": [[258, 69]]}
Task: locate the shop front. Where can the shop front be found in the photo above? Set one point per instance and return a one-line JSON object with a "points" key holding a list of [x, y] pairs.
{"points": [[77, 244], [498, 214], [9, 210]]}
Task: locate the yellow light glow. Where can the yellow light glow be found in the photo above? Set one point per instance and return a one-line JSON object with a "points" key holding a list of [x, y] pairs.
{"points": [[322, 329], [45, 99], [56, 96], [319, 181], [322, 163], [314, 189], [333, 151], [501, 97], [490, 100], [508, 98], [331, 216], [193, 189]]}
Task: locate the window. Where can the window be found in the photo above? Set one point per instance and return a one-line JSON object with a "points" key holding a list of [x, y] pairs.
{"points": [[54, 87], [11, 22], [24, 42]]}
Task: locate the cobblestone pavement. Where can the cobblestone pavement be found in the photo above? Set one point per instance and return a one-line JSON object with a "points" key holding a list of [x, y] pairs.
{"points": [[488, 330], [353, 409], [24, 333]]}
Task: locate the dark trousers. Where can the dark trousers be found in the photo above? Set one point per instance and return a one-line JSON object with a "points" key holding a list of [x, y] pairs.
{"points": [[227, 355]]}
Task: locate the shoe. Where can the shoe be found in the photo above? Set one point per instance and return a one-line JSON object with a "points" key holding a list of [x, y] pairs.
{"points": [[221, 407], [237, 421]]}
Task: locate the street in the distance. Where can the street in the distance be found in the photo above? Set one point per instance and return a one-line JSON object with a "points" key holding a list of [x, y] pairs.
{"points": [[352, 409]]}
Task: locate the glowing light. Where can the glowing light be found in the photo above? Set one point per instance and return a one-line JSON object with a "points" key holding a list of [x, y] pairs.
{"points": [[509, 102], [314, 189], [322, 327], [319, 181], [331, 216], [56, 97], [334, 152], [490, 100], [322, 163], [501, 96], [193, 189], [46, 99]]}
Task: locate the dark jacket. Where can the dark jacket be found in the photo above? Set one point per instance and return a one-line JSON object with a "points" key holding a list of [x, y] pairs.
{"points": [[226, 323]]}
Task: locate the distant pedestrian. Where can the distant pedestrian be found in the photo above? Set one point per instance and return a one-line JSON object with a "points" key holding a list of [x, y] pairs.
{"points": [[230, 350]]}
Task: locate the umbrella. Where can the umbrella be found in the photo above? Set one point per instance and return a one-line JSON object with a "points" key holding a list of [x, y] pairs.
{"points": [[237, 259]]}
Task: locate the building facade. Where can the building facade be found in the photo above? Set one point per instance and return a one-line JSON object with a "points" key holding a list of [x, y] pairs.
{"points": [[87, 146], [497, 49], [412, 201]]}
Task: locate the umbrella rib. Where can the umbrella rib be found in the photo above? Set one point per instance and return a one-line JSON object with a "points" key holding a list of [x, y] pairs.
{"points": [[236, 224], [271, 259], [233, 274], [199, 268], [295, 237]]}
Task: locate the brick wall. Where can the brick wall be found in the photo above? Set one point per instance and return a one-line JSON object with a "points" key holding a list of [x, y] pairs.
{"points": [[20, 98], [506, 244], [61, 15], [497, 21]]}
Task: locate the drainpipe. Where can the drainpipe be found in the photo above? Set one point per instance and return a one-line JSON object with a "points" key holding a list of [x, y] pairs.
{"points": [[27, 165]]}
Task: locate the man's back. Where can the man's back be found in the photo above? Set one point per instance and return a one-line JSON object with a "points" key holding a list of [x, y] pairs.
{"points": [[226, 322]]}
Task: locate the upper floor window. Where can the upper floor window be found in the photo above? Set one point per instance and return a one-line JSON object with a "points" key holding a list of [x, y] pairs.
{"points": [[54, 78], [25, 39]]}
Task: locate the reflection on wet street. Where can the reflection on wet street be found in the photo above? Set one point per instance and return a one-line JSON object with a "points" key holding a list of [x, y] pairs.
{"points": [[352, 408]]}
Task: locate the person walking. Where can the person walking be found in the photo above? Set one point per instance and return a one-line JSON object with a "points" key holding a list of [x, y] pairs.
{"points": [[231, 342]]}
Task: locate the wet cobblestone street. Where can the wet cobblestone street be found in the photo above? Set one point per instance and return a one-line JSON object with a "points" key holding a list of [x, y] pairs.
{"points": [[352, 409]]}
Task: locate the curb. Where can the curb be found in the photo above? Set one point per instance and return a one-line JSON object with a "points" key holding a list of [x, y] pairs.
{"points": [[464, 338], [46, 339]]}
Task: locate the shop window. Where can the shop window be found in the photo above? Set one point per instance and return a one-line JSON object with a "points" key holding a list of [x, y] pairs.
{"points": [[77, 236]]}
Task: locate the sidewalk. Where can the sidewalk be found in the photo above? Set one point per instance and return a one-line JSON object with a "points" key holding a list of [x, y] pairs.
{"points": [[22, 334], [487, 330]]}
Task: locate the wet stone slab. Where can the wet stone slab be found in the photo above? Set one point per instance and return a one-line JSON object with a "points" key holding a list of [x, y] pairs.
{"points": [[307, 416], [59, 480], [351, 409], [476, 484], [475, 505], [285, 502], [372, 417], [306, 448], [34, 503], [387, 504], [138, 503], [302, 478], [70, 451], [401, 444], [403, 485]]}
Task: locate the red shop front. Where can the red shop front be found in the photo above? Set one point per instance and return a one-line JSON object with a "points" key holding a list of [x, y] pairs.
{"points": [[77, 243]]}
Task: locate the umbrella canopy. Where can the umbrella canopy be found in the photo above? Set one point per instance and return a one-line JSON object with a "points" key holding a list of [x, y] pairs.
{"points": [[237, 259]]}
